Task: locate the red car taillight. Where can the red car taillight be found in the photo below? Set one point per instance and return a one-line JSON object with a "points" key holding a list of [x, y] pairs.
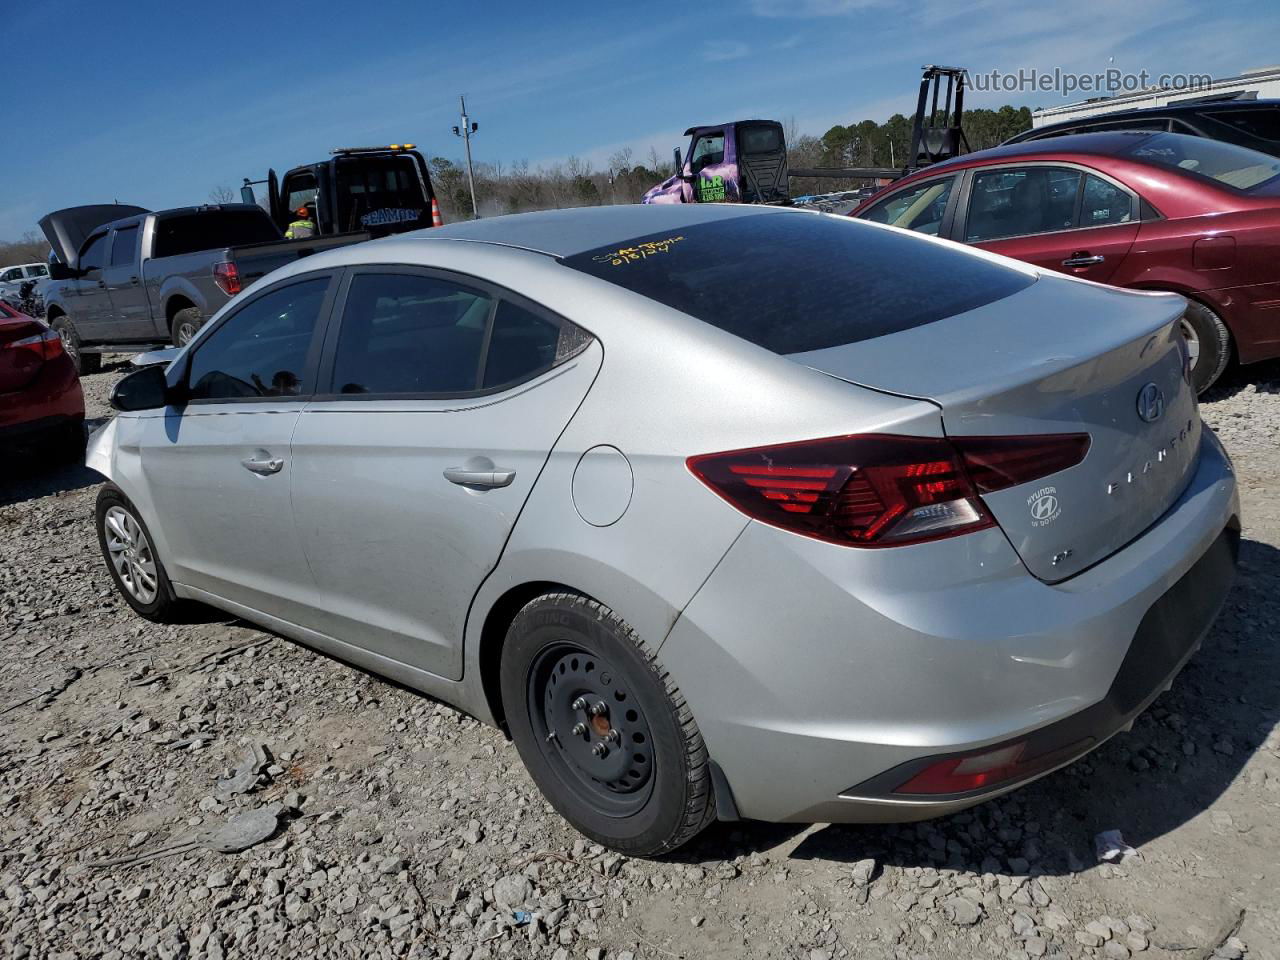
{"points": [[35, 337], [227, 276], [881, 490]]}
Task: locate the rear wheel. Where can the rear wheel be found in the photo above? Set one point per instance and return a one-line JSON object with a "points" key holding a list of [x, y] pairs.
{"points": [[1208, 342], [131, 559], [185, 324], [602, 728], [84, 362]]}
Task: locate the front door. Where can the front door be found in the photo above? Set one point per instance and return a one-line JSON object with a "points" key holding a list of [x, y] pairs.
{"points": [[219, 467], [710, 164], [91, 309], [1059, 218], [130, 311], [445, 398]]}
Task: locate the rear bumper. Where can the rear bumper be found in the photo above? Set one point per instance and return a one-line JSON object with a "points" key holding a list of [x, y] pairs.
{"points": [[852, 670], [54, 395]]}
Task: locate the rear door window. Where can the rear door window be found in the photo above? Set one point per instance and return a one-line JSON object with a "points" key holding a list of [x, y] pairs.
{"points": [[1020, 201], [919, 207], [793, 282], [261, 351]]}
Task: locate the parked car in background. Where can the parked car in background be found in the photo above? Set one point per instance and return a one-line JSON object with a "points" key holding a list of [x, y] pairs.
{"points": [[853, 525], [1254, 124], [41, 404], [12, 278], [1149, 211], [136, 279]]}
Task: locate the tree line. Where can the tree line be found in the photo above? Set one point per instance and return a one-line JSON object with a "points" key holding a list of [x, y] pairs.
{"points": [[517, 187]]}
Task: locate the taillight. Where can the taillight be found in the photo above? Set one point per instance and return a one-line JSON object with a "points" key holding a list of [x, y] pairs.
{"points": [[43, 343], [227, 276], [881, 490], [989, 768]]}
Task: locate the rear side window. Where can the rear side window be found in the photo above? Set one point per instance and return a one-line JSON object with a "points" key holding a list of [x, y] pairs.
{"points": [[260, 351], [421, 335], [1260, 122], [124, 246], [209, 230], [1104, 203], [407, 334], [1022, 201], [794, 282]]}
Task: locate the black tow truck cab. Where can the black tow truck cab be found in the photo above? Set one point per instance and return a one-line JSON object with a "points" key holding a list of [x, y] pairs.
{"points": [[376, 190]]}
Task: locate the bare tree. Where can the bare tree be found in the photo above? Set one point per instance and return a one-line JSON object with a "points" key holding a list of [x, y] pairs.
{"points": [[622, 160], [222, 194]]}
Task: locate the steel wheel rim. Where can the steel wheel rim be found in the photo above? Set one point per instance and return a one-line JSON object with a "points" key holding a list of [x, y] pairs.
{"points": [[1193, 341], [566, 682], [131, 554]]}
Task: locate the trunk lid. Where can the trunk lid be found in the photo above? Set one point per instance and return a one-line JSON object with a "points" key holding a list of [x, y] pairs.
{"points": [[66, 230], [1058, 357]]}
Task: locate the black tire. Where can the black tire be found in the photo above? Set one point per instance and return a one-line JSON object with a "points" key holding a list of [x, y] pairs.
{"points": [[165, 607], [66, 442], [651, 791], [1213, 345], [85, 363], [185, 324]]}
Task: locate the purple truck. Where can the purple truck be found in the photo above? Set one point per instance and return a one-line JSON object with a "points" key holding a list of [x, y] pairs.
{"points": [[741, 162]]}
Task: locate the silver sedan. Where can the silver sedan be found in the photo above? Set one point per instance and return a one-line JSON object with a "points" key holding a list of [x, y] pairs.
{"points": [[718, 511]]}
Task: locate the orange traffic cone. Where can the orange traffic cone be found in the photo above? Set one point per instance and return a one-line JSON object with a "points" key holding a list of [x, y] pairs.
{"points": [[436, 219]]}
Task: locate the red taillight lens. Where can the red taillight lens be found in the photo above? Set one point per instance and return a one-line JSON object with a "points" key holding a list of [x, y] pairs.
{"points": [[881, 490], [33, 337], [227, 276], [998, 462]]}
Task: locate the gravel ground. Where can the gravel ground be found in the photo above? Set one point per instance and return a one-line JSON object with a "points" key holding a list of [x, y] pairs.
{"points": [[401, 827]]}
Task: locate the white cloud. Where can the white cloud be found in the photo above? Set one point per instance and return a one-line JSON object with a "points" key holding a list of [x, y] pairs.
{"points": [[717, 51]]}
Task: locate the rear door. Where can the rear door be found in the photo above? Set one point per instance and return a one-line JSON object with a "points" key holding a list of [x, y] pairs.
{"points": [[1057, 217], [130, 311], [219, 467], [444, 398]]}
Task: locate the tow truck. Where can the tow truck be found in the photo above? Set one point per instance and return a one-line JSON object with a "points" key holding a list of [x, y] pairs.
{"points": [[746, 161], [375, 190]]}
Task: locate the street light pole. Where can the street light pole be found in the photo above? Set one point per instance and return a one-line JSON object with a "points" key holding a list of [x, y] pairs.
{"points": [[465, 132]]}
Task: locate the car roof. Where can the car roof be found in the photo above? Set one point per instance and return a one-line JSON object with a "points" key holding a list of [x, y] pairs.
{"points": [[563, 233], [1108, 144], [1192, 106]]}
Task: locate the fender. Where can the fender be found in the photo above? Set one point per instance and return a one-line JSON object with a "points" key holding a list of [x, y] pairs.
{"points": [[178, 286]]}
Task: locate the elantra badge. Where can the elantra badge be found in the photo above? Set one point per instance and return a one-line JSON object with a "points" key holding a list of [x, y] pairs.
{"points": [[1150, 403]]}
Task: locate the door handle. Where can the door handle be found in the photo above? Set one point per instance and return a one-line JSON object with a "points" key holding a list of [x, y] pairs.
{"points": [[1082, 258], [263, 468], [133, 280], [494, 477], [102, 283]]}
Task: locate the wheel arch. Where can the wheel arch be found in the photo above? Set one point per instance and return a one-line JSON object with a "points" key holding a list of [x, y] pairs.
{"points": [[493, 633], [176, 302]]}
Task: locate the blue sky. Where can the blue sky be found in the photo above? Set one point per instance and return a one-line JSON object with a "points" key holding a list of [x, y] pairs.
{"points": [[156, 103]]}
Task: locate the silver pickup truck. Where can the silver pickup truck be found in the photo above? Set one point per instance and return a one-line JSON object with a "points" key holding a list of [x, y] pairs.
{"points": [[126, 280]]}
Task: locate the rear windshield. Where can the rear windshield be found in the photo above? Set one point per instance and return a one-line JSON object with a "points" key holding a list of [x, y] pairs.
{"points": [[797, 282], [380, 192], [211, 229], [1260, 122], [1226, 163]]}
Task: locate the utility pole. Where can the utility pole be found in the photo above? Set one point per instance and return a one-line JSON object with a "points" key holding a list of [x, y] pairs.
{"points": [[465, 132]]}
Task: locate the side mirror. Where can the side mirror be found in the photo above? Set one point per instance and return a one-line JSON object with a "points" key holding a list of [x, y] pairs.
{"points": [[679, 164], [60, 271], [246, 194], [146, 389]]}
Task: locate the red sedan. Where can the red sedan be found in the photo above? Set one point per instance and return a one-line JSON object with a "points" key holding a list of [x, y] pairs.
{"points": [[1150, 211], [40, 396]]}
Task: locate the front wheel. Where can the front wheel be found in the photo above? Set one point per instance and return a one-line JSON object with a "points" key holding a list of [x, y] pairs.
{"points": [[1208, 342], [131, 558], [84, 362], [602, 728]]}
